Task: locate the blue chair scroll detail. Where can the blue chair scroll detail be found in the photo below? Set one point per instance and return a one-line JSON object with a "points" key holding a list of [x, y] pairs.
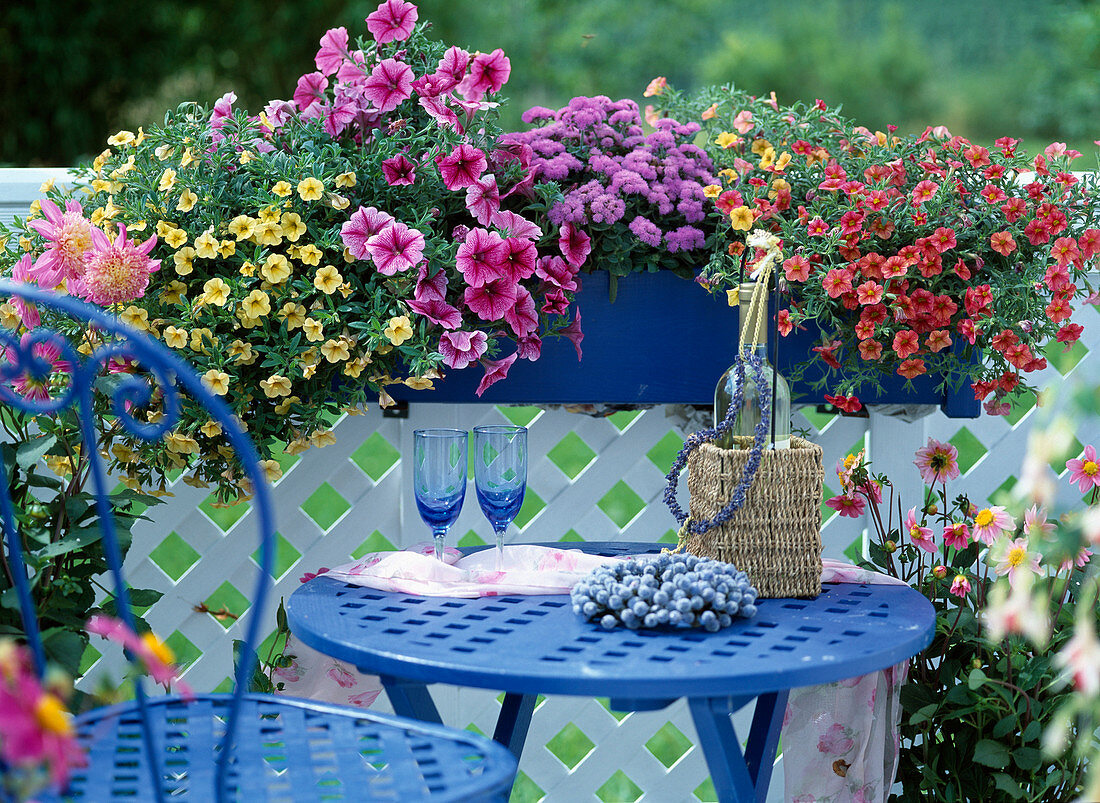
{"points": [[207, 747]]}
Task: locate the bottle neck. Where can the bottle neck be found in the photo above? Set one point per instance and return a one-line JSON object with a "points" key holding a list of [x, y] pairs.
{"points": [[750, 341]]}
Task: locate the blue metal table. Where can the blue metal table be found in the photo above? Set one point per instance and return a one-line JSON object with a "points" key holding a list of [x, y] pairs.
{"points": [[530, 645]]}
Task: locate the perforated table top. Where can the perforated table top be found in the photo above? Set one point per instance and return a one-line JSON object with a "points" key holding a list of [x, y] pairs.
{"points": [[536, 644]]}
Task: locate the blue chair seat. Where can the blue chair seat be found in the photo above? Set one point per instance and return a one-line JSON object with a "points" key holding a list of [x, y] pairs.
{"points": [[287, 751]]}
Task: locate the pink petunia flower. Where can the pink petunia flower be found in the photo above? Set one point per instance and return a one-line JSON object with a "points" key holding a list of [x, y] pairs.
{"points": [[333, 52], [575, 245], [1085, 470], [70, 236], [495, 370], [392, 21], [338, 115], [488, 73], [390, 82], [396, 248], [992, 522], [430, 288], [482, 257], [398, 170], [491, 300], [845, 505], [523, 317], [937, 462], [529, 348], [462, 166], [555, 303], [512, 225], [453, 65], [438, 312], [519, 258], [1013, 558], [483, 199], [115, 270], [557, 272], [309, 94], [920, 536], [459, 349], [363, 224], [443, 114], [957, 535], [573, 332]]}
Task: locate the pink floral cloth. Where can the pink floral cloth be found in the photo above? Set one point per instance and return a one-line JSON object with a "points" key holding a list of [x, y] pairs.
{"points": [[840, 740]]}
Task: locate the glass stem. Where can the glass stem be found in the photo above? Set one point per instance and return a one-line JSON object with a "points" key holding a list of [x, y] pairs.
{"points": [[500, 546], [440, 535]]}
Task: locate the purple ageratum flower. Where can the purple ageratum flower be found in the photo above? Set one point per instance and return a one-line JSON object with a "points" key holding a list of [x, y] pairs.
{"points": [[685, 238], [647, 231]]}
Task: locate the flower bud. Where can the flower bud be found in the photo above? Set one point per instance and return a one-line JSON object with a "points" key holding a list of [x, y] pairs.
{"points": [[890, 547], [940, 572]]}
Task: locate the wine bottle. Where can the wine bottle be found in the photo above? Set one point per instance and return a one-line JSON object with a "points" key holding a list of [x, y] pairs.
{"points": [[754, 341]]}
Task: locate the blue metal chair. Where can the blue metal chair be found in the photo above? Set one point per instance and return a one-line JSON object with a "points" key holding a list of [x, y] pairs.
{"points": [[219, 746]]}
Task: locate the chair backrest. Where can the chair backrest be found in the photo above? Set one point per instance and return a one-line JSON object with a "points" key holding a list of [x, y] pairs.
{"points": [[44, 356]]}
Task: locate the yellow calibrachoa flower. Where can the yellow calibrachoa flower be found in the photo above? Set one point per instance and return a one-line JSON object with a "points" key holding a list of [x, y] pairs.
{"points": [[354, 368], [174, 337], [778, 186], [248, 269], [276, 268], [346, 179], [294, 315], [292, 226], [272, 470], [327, 280], [135, 317], [269, 214], [727, 139], [183, 258], [310, 254], [121, 138], [201, 338], [167, 180], [256, 304], [211, 429], [322, 437], [741, 218], [419, 383], [217, 382], [36, 208], [242, 352], [242, 227], [760, 146], [712, 191], [127, 166], [782, 162], [174, 293], [140, 225], [345, 289], [310, 189], [59, 464], [162, 152], [187, 201], [99, 161], [165, 226], [313, 329], [339, 201], [215, 292], [275, 385], [283, 407], [398, 330], [206, 246], [732, 297], [267, 233], [227, 248], [187, 159], [246, 157], [47, 185], [9, 318], [282, 189], [335, 350], [181, 444]]}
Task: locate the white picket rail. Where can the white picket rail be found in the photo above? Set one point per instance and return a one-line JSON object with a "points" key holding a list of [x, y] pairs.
{"points": [[380, 507]]}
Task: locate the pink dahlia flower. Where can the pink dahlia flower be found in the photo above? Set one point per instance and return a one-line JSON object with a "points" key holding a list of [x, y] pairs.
{"points": [[991, 522], [363, 224], [392, 21], [70, 236], [850, 506], [960, 586], [920, 536], [937, 462], [957, 535], [1085, 470], [396, 248], [34, 383], [459, 349], [115, 271]]}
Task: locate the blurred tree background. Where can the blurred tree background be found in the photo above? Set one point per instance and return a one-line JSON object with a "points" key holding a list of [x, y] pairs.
{"points": [[73, 72]]}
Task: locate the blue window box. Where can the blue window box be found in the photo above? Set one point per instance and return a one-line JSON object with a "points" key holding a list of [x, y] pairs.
{"points": [[663, 341]]}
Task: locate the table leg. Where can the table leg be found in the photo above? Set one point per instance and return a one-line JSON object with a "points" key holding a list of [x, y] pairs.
{"points": [[767, 722], [411, 699], [514, 721], [721, 747]]}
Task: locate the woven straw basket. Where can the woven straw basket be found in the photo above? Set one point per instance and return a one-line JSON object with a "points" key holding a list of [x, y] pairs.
{"points": [[776, 536]]}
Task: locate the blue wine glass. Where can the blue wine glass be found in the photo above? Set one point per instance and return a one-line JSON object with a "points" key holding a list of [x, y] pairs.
{"points": [[500, 476], [439, 478]]}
